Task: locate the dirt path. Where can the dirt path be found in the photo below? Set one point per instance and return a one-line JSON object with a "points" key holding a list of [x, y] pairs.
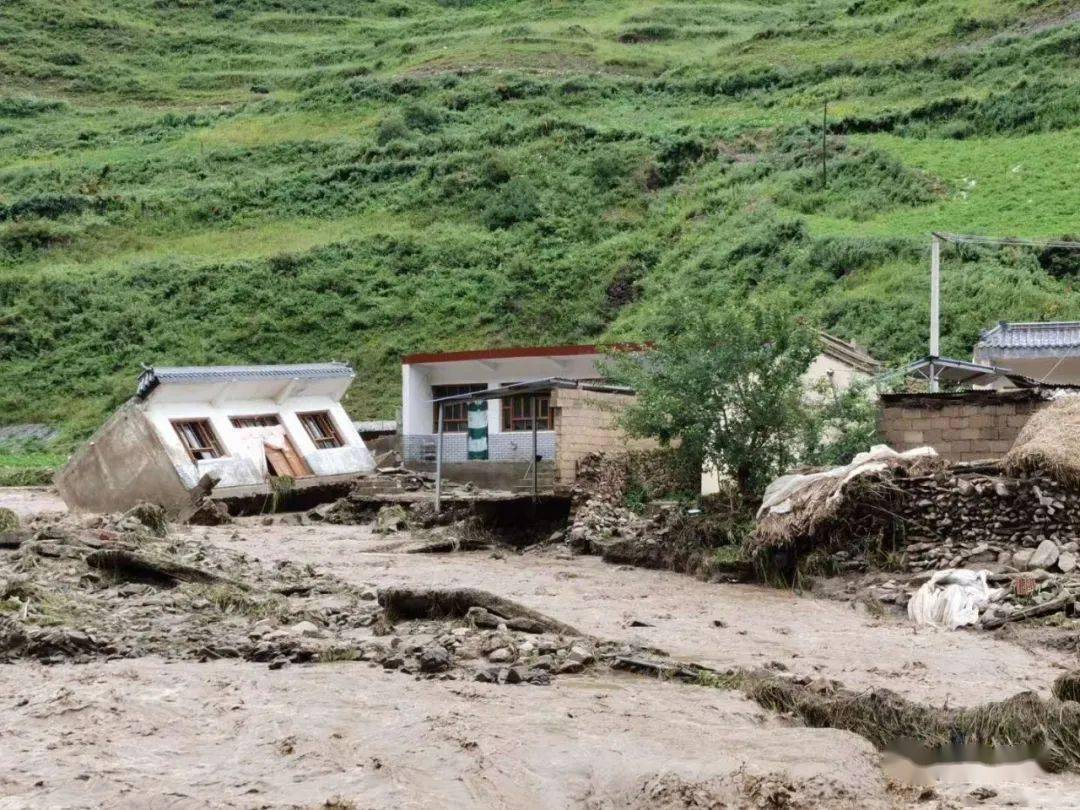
{"points": [[759, 625]]}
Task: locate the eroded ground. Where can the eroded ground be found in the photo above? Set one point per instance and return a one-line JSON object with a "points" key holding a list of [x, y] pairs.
{"points": [[147, 731]]}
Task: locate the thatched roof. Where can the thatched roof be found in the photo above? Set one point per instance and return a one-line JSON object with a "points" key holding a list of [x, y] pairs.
{"points": [[1050, 443]]}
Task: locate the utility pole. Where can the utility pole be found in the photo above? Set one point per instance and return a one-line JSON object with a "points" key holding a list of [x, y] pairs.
{"points": [[824, 131], [935, 307]]}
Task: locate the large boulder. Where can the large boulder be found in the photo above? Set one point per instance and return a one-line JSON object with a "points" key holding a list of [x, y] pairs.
{"points": [[1045, 555]]}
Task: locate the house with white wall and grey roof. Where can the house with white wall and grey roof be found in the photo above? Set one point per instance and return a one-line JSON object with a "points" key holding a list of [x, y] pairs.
{"points": [[243, 425], [1047, 352]]}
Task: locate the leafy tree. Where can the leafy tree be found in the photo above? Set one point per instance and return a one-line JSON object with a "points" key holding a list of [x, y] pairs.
{"points": [[726, 389], [839, 424]]}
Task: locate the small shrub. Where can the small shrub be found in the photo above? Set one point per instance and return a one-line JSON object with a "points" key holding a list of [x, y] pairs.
{"points": [[647, 33], [65, 58], [422, 117], [515, 202], [1061, 262], [46, 206], [391, 129], [494, 170], [27, 237]]}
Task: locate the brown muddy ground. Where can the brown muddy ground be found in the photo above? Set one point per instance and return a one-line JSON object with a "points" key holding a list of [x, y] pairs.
{"points": [[148, 733], [806, 636]]}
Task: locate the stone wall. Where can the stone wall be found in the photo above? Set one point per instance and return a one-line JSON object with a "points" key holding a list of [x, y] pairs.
{"points": [[587, 422], [966, 426]]}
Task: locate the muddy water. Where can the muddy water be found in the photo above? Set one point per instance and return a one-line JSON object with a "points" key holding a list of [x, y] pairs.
{"points": [[717, 625], [1007, 776]]}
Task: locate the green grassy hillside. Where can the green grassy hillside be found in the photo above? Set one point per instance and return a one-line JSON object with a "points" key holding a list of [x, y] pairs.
{"points": [[188, 181]]}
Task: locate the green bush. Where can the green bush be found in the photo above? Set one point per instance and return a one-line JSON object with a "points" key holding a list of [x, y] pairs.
{"points": [[513, 203]]}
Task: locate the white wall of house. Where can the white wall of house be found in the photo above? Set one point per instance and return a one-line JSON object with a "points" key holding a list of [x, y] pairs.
{"points": [[1050, 370], [244, 462], [417, 379], [418, 410], [826, 367]]}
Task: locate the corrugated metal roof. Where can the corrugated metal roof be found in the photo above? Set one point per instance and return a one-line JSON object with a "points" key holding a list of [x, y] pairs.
{"points": [[962, 372], [1039, 335], [153, 377]]}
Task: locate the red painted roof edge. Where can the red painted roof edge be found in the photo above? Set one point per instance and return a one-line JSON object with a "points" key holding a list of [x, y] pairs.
{"points": [[511, 352]]}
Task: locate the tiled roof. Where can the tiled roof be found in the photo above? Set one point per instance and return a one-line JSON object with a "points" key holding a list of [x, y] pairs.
{"points": [[152, 377], [1045, 335], [852, 354]]}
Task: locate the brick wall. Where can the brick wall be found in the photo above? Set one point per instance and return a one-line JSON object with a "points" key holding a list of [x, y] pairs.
{"points": [[966, 426], [586, 422]]}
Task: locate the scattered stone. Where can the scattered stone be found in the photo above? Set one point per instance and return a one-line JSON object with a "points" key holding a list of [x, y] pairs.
{"points": [[434, 658], [306, 629], [1066, 562], [502, 655]]}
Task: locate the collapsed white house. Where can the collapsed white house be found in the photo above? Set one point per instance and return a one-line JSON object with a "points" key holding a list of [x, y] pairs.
{"points": [[246, 426]]}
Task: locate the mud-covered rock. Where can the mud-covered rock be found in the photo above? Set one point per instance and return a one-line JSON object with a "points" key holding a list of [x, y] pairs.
{"points": [[434, 658], [150, 515]]}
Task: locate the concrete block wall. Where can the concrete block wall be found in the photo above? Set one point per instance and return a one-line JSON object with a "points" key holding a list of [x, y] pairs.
{"points": [[587, 422], [967, 426]]}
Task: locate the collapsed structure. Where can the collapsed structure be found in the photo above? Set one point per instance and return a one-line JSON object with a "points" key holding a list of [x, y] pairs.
{"points": [[248, 429], [1016, 518]]}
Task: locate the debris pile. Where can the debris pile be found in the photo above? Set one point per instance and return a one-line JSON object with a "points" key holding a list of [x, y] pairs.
{"points": [[661, 535], [968, 518], [915, 519], [126, 586]]}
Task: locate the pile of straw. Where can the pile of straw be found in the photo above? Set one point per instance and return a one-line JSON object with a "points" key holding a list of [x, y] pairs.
{"points": [[832, 512], [1049, 443]]}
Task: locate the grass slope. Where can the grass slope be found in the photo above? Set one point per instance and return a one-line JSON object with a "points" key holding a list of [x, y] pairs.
{"points": [[188, 181]]}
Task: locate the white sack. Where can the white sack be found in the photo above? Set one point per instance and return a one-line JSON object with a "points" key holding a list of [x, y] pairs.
{"points": [[952, 599]]}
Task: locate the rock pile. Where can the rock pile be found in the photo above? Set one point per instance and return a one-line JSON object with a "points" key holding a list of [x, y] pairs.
{"points": [[126, 586], [661, 535], [1024, 531], [965, 519]]}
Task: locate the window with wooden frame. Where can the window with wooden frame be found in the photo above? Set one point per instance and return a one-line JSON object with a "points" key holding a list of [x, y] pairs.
{"points": [[455, 414], [321, 428], [198, 438], [267, 420], [517, 412]]}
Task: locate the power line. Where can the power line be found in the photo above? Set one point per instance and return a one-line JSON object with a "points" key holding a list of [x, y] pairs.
{"points": [[958, 238]]}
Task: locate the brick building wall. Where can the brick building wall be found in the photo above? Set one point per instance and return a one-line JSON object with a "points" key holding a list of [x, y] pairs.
{"points": [[586, 422], [965, 426]]}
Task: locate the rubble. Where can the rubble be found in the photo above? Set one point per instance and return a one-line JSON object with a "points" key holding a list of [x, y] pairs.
{"points": [[1022, 530], [126, 586], [662, 535]]}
